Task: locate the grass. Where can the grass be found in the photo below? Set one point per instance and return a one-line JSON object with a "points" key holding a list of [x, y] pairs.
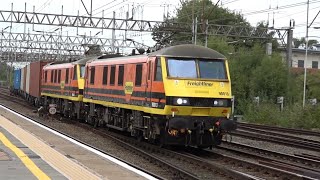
{"points": [[292, 116]]}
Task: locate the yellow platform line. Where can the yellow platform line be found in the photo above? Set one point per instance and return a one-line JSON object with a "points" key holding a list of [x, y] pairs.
{"points": [[24, 158], [67, 167]]}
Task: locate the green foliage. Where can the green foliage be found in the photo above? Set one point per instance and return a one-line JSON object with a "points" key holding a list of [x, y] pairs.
{"points": [[291, 117], [3, 71], [270, 78], [299, 42], [4, 68], [203, 10], [220, 44], [242, 64], [313, 83]]}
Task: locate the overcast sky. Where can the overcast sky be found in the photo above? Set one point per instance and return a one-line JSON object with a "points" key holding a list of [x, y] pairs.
{"points": [[279, 11]]}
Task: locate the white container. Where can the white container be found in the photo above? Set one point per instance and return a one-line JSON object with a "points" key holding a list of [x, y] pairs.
{"points": [[22, 79]]}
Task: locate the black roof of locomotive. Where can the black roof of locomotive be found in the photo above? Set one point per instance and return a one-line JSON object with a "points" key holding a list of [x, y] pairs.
{"points": [[188, 51]]}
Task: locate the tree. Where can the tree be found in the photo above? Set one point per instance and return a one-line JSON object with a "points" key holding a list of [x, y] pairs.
{"points": [[242, 65], [3, 71], [203, 10], [270, 79], [221, 45], [302, 41]]}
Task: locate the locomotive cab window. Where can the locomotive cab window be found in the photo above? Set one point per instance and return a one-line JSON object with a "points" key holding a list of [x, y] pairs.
{"points": [[138, 75], [112, 75], [82, 71], [158, 71], [180, 68], [75, 72], [194, 68], [212, 69], [92, 73]]}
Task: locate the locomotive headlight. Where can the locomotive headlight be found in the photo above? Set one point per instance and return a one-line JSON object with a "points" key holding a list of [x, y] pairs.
{"points": [[220, 102], [181, 101]]}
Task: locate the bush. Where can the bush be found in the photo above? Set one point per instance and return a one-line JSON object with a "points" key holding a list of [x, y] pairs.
{"points": [[292, 116]]}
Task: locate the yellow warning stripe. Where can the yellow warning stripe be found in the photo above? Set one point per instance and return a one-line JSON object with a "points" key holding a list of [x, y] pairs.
{"points": [[24, 158]]}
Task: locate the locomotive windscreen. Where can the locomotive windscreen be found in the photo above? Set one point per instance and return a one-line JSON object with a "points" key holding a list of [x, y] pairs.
{"points": [[82, 71], [196, 68]]}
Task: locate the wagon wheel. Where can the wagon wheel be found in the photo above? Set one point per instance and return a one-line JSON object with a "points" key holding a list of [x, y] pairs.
{"points": [[95, 122]]}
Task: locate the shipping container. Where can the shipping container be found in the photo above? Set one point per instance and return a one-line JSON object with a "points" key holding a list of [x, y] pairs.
{"points": [[22, 79], [35, 79], [17, 79], [28, 79]]}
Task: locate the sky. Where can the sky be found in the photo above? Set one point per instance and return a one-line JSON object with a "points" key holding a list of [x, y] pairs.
{"points": [[278, 12]]}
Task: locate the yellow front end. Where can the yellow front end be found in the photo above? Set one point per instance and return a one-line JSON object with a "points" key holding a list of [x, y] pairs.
{"points": [[81, 81], [198, 91]]}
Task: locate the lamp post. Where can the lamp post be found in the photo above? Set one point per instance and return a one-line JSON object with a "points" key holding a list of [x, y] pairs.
{"points": [[306, 59], [306, 55]]}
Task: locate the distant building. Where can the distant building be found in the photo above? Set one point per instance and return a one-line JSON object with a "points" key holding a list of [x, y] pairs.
{"points": [[298, 57]]}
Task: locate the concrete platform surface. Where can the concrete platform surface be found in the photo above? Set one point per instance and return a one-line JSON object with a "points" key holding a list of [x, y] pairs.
{"points": [[56, 157]]}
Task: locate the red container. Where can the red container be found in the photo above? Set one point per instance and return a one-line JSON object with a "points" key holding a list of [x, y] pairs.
{"points": [[35, 78]]}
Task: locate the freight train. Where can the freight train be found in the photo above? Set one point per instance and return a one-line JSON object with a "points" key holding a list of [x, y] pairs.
{"points": [[180, 95]]}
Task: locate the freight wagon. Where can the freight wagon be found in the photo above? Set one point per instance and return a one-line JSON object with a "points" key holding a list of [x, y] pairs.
{"points": [[30, 81], [16, 81]]}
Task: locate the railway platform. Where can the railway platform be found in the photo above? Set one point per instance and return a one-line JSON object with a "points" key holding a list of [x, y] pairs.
{"points": [[17, 161], [29, 151]]}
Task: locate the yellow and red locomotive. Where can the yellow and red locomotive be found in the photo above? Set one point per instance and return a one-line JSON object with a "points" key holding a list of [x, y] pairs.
{"points": [[180, 95]]}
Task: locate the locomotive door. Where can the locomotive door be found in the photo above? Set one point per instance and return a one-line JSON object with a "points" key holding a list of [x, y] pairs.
{"points": [[86, 81], [148, 92]]}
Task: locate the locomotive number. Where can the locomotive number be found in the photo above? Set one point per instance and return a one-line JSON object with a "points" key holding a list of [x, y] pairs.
{"points": [[224, 93]]}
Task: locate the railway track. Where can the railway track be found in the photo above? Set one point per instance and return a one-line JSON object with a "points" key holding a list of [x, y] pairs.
{"points": [[196, 166], [5, 94], [220, 164], [265, 168], [277, 138], [279, 129], [308, 164]]}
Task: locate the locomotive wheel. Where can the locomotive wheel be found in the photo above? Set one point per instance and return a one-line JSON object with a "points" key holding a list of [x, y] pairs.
{"points": [[139, 136]]}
